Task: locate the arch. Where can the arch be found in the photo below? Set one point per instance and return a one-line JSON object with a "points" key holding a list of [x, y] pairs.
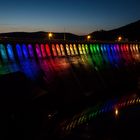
{"points": [[117, 46], [48, 50], [19, 51], [137, 48], [127, 48], [43, 50], [94, 48], [91, 48], [67, 49], [58, 50], [97, 48], [134, 47], [87, 50], [38, 51], [75, 49], [3, 53], [112, 48], [30, 49], [83, 49], [80, 49], [62, 50], [71, 49], [122, 48], [25, 51], [108, 48], [102, 48], [131, 47], [10, 52], [54, 50]]}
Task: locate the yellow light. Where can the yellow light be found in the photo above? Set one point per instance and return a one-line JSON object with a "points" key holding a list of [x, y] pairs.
{"points": [[119, 38], [88, 37], [116, 112], [50, 35]]}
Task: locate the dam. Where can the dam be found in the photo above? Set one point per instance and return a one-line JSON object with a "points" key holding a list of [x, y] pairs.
{"points": [[67, 85]]}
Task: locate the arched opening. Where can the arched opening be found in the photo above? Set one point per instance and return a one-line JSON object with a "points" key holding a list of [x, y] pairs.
{"points": [[38, 51], [48, 50], [25, 51]]}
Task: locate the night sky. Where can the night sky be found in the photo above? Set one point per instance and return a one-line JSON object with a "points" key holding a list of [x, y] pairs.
{"points": [[75, 16]]}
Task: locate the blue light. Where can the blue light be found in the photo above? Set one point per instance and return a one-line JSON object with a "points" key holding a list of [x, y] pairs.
{"points": [[25, 51], [19, 51], [10, 52], [31, 52]]}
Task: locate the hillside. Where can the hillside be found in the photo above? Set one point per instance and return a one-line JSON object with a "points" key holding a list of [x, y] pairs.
{"points": [[130, 32]]}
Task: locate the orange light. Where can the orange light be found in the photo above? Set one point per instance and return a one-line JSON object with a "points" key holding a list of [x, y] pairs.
{"points": [[116, 112], [119, 38], [50, 35], [88, 37]]}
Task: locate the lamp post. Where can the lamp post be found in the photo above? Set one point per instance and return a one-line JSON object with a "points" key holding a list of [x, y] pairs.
{"points": [[120, 38], [88, 37], [50, 35]]}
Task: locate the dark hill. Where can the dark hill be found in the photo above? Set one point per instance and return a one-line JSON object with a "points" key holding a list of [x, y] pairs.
{"points": [[40, 35], [130, 32]]}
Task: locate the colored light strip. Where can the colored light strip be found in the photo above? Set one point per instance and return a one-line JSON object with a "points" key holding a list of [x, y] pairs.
{"points": [[43, 50], [10, 52], [68, 50], [31, 52], [54, 50], [38, 51], [3, 53], [48, 50], [25, 51]]}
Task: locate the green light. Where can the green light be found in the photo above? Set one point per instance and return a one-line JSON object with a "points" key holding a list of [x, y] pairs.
{"points": [[94, 48], [97, 47], [83, 48], [91, 49], [86, 46]]}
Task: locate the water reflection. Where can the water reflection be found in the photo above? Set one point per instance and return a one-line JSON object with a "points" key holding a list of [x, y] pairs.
{"points": [[113, 105], [79, 81]]}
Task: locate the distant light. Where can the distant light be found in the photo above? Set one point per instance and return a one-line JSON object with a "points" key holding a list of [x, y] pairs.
{"points": [[50, 35], [119, 38], [88, 37]]}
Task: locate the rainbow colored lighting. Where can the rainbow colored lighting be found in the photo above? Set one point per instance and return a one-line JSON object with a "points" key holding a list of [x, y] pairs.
{"points": [[113, 105], [106, 51]]}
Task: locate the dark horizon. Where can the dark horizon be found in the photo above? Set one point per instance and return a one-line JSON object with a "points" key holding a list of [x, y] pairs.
{"points": [[129, 32]]}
